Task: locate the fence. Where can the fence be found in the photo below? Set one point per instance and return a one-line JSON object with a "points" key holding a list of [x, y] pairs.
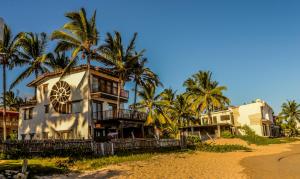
{"points": [[86, 146]]}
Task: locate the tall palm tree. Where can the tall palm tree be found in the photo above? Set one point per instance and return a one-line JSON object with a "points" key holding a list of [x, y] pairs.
{"points": [[120, 60], [11, 100], [33, 47], [143, 75], [9, 54], [59, 61], [206, 93]]}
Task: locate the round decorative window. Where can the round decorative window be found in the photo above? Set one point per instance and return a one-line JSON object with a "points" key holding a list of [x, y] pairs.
{"points": [[59, 97]]}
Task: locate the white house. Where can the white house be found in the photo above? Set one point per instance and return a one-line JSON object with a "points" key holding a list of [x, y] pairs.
{"points": [[63, 108]]}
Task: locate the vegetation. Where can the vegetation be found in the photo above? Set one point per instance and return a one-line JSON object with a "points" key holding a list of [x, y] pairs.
{"points": [[205, 147], [289, 116], [12, 101], [252, 138]]}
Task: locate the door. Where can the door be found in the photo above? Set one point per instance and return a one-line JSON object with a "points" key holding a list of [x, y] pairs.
{"points": [[97, 110]]}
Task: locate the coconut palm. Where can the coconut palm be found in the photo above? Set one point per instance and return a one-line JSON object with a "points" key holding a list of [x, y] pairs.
{"points": [[33, 47], [152, 105], [59, 61], [143, 75], [119, 59], [206, 94], [9, 56], [182, 110], [79, 35], [12, 100], [290, 111]]}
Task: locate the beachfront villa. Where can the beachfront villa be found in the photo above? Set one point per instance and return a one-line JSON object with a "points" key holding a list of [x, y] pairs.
{"points": [[63, 108], [257, 115]]}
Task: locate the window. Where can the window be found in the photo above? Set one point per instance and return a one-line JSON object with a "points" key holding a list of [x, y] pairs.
{"points": [[45, 89], [102, 85], [115, 88], [225, 118], [108, 87], [95, 84], [97, 110], [76, 106], [27, 113], [47, 108]]}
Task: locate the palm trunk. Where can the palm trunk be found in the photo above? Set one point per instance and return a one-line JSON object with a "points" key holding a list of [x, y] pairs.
{"points": [[209, 117], [4, 99], [89, 94], [35, 88], [119, 94], [135, 94]]}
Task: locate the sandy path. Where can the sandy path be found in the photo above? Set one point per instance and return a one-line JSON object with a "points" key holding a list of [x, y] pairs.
{"points": [[261, 163]]}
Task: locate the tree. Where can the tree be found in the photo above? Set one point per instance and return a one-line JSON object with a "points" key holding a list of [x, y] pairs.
{"points": [[33, 47], [59, 61], [182, 110], [119, 59], [206, 94], [152, 105], [143, 75], [9, 53], [290, 113], [12, 101]]}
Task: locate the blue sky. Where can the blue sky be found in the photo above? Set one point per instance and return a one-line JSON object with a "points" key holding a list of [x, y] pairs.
{"points": [[252, 47]]}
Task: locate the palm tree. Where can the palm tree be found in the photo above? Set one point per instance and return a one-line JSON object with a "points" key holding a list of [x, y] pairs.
{"points": [[182, 110], [143, 75], [33, 47], [205, 93], [120, 60], [152, 105], [12, 101], [59, 61], [290, 113], [9, 53]]}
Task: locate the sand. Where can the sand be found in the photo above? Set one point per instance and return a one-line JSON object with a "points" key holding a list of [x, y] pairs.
{"points": [[272, 161]]}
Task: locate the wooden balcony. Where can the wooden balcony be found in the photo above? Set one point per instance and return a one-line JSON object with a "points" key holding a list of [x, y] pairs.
{"points": [[110, 93], [122, 114]]}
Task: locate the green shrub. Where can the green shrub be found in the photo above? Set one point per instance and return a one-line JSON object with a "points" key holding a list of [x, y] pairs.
{"points": [[205, 147], [193, 139], [227, 134]]}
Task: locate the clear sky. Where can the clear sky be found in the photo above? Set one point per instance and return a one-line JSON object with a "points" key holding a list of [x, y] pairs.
{"points": [[252, 47]]}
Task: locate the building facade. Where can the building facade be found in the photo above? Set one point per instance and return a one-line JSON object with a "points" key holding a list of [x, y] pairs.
{"points": [[257, 115], [12, 118], [65, 109]]}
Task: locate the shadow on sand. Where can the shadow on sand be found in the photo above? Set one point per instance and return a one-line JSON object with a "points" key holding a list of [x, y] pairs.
{"points": [[281, 165]]}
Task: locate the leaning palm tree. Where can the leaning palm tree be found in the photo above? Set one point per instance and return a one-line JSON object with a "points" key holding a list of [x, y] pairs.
{"points": [[120, 60], [59, 61], [9, 56], [33, 47], [143, 75], [205, 93]]}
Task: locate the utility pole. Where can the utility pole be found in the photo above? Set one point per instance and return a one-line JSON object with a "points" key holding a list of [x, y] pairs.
{"points": [[3, 62]]}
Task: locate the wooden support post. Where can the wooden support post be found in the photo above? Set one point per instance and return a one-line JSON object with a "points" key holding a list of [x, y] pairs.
{"points": [[143, 131], [219, 131]]}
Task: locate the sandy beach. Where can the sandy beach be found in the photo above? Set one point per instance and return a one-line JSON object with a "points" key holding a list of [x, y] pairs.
{"points": [[272, 161]]}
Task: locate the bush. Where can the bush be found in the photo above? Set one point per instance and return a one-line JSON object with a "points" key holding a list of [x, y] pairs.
{"points": [[193, 139], [205, 147], [227, 135]]}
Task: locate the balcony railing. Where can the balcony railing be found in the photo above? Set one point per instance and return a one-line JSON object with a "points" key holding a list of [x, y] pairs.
{"points": [[111, 91], [121, 114]]}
